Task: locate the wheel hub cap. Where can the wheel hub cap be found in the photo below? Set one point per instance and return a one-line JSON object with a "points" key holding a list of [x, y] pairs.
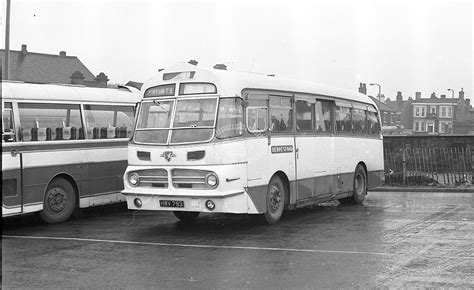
{"points": [[275, 199], [57, 200], [359, 184]]}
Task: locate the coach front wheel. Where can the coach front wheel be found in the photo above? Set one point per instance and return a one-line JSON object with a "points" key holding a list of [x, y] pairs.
{"points": [[276, 192], [59, 201]]}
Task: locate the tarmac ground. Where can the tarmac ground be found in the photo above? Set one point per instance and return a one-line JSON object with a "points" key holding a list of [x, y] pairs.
{"points": [[395, 239]]}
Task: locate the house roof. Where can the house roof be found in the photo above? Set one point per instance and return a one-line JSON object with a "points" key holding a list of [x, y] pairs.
{"points": [[436, 100], [399, 106], [382, 106], [44, 68]]}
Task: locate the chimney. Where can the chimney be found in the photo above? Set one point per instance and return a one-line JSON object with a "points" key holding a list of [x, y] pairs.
{"points": [[220, 66], [468, 101], [363, 88], [77, 78], [193, 62], [461, 94], [417, 95], [399, 97], [102, 80], [442, 96], [23, 49], [62, 53]]}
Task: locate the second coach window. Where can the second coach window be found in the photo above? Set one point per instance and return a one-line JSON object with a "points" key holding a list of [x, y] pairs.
{"points": [[304, 116], [107, 122], [281, 112]]}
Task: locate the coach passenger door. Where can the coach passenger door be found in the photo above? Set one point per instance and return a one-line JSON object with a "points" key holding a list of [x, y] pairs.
{"points": [[12, 202]]}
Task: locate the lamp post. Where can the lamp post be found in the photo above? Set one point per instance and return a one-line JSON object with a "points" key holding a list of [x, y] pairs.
{"points": [[452, 111], [6, 60], [380, 88]]}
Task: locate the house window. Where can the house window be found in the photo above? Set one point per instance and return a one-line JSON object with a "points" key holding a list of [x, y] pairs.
{"points": [[444, 127], [420, 111], [417, 126], [446, 112], [441, 127], [422, 127], [433, 110]]}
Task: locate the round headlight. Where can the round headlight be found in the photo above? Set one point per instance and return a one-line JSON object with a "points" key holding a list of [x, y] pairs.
{"points": [[133, 179], [212, 180]]}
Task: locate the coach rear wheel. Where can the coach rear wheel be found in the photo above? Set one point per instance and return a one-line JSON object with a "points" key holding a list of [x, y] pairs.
{"points": [[59, 201], [276, 192], [359, 187], [186, 216]]}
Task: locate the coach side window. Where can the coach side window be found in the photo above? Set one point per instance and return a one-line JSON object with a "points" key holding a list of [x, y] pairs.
{"points": [[46, 122], [108, 122], [323, 116], [281, 114], [256, 119], [304, 116], [343, 119], [359, 120], [373, 124], [8, 133]]}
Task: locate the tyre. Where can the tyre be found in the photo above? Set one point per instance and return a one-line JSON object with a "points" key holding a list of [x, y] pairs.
{"points": [[59, 201], [186, 216], [275, 200], [359, 190]]}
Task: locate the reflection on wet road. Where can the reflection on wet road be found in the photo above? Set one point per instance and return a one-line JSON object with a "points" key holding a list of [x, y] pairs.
{"points": [[395, 239]]}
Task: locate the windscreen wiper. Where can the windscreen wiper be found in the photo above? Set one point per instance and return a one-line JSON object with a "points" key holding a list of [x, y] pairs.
{"points": [[161, 106]]}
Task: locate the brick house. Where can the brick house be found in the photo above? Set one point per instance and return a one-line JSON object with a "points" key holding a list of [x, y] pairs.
{"points": [[403, 112], [36, 67], [442, 115]]}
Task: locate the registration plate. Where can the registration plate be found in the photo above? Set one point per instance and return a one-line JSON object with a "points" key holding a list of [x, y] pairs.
{"points": [[171, 203]]}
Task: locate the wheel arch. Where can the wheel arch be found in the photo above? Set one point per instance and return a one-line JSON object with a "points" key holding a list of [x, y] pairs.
{"points": [[362, 163]]}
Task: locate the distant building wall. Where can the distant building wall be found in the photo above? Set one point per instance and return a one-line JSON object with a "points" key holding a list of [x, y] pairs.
{"points": [[428, 141]]}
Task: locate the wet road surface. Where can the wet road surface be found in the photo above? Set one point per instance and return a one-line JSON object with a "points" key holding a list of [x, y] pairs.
{"points": [[395, 239]]}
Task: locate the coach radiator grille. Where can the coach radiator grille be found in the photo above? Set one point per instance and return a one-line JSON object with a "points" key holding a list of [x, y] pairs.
{"points": [[189, 178], [153, 178]]}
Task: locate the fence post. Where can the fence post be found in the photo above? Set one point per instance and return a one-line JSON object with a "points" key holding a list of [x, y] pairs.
{"points": [[404, 166]]}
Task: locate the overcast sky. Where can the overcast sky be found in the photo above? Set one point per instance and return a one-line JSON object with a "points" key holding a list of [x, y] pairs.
{"points": [[405, 46]]}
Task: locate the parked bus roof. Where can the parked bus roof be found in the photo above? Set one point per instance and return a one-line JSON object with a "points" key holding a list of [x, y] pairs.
{"points": [[58, 92], [231, 83]]}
